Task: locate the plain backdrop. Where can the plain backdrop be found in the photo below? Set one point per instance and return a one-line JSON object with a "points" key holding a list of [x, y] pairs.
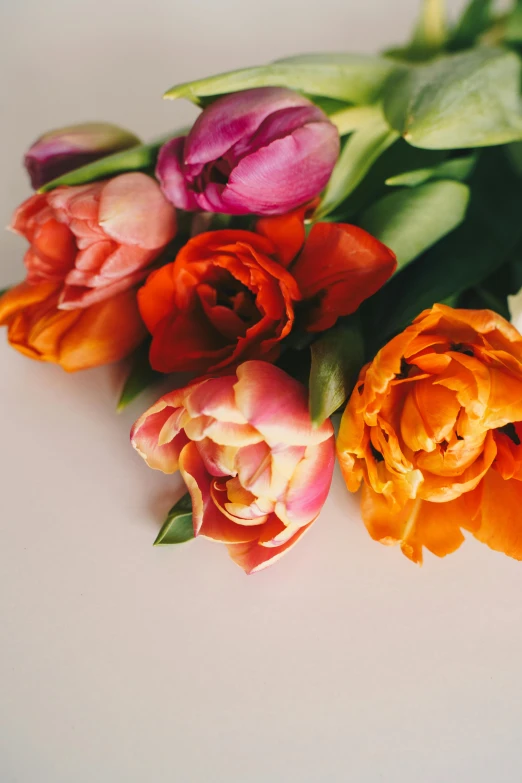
{"points": [[121, 662]]}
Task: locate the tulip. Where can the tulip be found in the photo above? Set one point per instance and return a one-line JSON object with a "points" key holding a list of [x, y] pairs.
{"points": [[96, 239], [433, 431], [231, 295], [65, 149], [264, 151], [75, 339], [257, 471]]}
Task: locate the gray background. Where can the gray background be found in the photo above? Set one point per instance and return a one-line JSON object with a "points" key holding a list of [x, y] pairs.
{"points": [[120, 662]]}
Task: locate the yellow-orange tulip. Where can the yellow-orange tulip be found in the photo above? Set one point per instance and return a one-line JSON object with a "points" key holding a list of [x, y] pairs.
{"points": [[434, 431]]}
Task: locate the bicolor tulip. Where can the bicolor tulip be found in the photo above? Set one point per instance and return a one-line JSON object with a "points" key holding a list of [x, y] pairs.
{"points": [[433, 431], [257, 471], [65, 149], [96, 239], [89, 248], [264, 151]]}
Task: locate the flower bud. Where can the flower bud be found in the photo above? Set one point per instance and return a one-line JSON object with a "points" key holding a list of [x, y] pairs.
{"points": [[264, 151], [65, 149]]}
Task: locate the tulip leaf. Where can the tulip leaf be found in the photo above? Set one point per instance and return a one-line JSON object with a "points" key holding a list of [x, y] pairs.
{"points": [[456, 168], [178, 526], [475, 20], [515, 155], [337, 357], [464, 258], [353, 78], [412, 220], [139, 158], [430, 33], [140, 377], [457, 101], [358, 155], [513, 32]]}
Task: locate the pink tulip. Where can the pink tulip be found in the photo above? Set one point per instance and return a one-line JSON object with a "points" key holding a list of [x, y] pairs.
{"points": [[257, 471], [96, 240], [65, 149], [264, 151]]}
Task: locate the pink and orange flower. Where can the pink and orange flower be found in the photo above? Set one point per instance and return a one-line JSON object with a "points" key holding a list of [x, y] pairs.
{"points": [[257, 471]]}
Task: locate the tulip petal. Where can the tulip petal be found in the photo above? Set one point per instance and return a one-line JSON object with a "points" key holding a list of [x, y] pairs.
{"points": [[215, 397], [283, 175], [501, 522], [208, 520], [106, 332], [281, 418], [169, 171], [156, 298], [342, 265], [134, 211], [253, 557], [145, 437], [419, 523], [232, 118], [309, 486], [286, 232]]}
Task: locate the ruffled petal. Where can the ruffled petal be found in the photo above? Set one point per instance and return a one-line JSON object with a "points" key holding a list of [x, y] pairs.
{"points": [[254, 557]]}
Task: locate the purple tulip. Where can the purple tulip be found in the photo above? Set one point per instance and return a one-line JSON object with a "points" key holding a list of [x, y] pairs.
{"points": [[65, 149], [264, 151]]}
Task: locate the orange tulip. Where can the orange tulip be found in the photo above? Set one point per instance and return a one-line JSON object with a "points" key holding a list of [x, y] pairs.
{"points": [[434, 431], [76, 339]]}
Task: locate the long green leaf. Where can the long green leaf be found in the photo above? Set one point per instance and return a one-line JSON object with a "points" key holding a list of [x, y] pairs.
{"points": [[137, 158], [337, 357], [359, 154], [455, 168], [475, 20], [178, 526], [458, 101], [480, 245], [347, 77], [412, 220]]}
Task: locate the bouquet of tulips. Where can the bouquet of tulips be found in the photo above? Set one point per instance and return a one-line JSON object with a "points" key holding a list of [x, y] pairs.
{"points": [[336, 233]]}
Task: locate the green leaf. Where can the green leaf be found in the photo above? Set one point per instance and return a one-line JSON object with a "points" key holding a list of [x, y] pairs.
{"points": [[140, 377], [178, 526], [458, 101], [431, 31], [494, 291], [412, 220], [475, 20], [513, 31], [467, 256], [515, 155], [456, 168], [353, 78], [358, 155], [397, 159], [337, 357], [4, 291], [137, 158], [354, 118]]}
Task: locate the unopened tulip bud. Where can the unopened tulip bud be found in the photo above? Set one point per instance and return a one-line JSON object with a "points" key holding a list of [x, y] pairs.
{"points": [[264, 151], [65, 149]]}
